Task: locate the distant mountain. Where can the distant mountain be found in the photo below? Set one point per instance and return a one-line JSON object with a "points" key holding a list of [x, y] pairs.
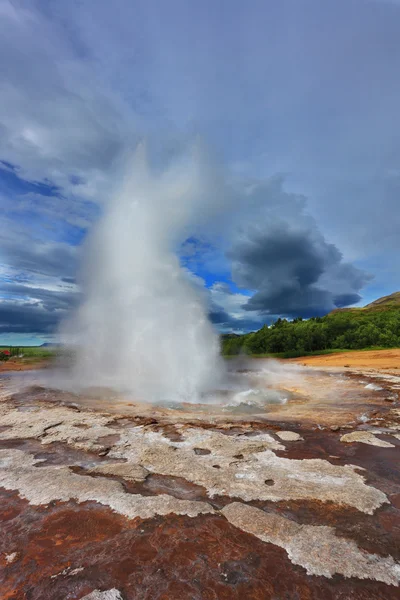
{"points": [[381, 304], [49, 345]]}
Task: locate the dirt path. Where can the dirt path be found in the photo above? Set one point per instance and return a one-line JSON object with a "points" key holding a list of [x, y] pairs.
{"points": [[368, 359]]}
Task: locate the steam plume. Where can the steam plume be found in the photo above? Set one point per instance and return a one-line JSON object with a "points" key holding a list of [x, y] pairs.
{"points": [[142, 327]]}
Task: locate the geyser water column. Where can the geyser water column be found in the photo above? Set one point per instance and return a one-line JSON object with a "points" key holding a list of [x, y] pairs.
{"points": [[142, 327]]}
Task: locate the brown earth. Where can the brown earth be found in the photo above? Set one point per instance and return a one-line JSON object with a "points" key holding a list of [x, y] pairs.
{"points": [[20, 364], [386, 360], [172, 558]]}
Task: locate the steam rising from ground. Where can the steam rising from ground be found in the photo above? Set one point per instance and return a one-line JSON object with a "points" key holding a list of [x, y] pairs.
{"points": [[257, 383], [142, 327]]}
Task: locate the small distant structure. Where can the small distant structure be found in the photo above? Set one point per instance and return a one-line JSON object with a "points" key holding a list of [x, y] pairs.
{"points": [[11, 352], [4, 354]]}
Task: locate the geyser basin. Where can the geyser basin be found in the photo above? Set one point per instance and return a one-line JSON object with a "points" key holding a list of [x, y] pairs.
{"points": [[265, 390], [247, 401], [246, 388]]}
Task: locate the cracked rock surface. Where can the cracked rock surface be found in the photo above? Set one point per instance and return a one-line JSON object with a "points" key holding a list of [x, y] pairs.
{"points": [[316, 548], [40, 486], [222, 474], [105, 506]]}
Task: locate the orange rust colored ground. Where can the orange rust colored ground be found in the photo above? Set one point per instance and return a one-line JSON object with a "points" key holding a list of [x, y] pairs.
{"points": [[170, 558], [17, 364], [372, 359]]}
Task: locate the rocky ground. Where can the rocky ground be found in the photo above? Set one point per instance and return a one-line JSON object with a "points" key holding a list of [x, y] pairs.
{"points": [[111, 500]]}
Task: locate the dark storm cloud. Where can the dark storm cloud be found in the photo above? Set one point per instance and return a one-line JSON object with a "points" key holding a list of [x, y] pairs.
{"points": [[346, 300], [26, 318], [25, 309], [283, 257], [226, 313], [226, 322], [36, 283], [218, 316]]}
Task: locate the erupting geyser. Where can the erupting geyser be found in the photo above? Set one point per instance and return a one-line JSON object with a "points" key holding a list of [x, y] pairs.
{"points": [[142, 327]]}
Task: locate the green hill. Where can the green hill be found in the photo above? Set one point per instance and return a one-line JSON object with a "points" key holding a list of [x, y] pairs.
{"points": [[385, 303], [375, 325]]}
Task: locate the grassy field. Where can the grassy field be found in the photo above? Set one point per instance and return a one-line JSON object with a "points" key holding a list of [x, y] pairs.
{"points": [[33, 352]]}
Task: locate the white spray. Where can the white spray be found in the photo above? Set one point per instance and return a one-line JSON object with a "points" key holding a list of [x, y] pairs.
{"points": [[142, 327]]}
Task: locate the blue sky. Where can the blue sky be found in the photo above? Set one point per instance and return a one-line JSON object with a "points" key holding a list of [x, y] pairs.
{"points": [[296, 103]]}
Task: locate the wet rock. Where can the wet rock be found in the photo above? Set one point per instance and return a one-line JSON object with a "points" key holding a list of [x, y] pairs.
{"points": [[293, 479], [57, 424], [173, 486], [289, 436], [164, 558], [201, 451], [95, 528], [128, 471], [316, 548], [104, 452], [107, 595], [10, 558], [67, 572], [18, 471], [365, 437]]}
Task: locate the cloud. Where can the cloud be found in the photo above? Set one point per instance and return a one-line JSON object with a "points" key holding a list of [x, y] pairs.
{"points": [[50, 300], [312, 93], [227, 313], [48, 259], [26, 318], [36, 285], [57, 119], [24, 309], [280, 254], [225, 307]]}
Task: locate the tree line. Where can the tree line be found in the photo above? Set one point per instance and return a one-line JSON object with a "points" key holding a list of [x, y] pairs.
{"points": [[353, 329]]}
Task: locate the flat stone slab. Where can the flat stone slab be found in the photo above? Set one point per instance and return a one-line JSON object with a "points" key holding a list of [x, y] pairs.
{"points": [[365, 437], [288, 436]]}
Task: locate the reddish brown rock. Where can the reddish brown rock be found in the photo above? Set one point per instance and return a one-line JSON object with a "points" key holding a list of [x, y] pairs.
{"points": [[171, 558], [69, 551]]}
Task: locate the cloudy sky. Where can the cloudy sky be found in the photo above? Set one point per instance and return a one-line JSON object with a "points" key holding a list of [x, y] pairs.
{"points": [[297, 103]]}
